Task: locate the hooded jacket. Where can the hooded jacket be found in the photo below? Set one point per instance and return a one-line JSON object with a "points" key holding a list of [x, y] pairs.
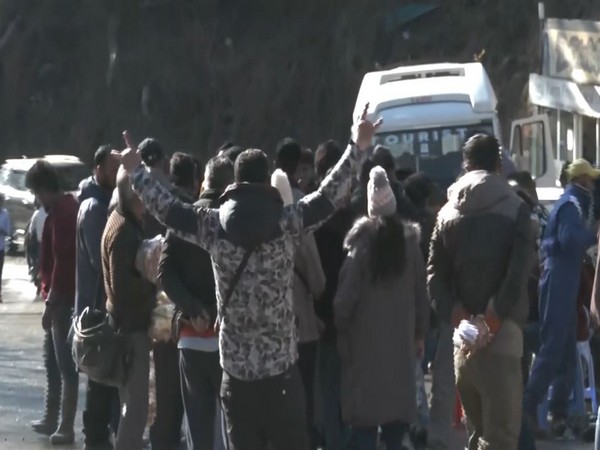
{"points": [[91, 220], [481, 250], [258, 335]]}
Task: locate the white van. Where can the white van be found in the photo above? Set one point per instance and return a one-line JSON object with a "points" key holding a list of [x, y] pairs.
{"points": [[429, 111]]}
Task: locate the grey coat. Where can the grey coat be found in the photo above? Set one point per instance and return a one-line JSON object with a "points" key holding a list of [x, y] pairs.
{"points": [[377, 325], [309, 284]]}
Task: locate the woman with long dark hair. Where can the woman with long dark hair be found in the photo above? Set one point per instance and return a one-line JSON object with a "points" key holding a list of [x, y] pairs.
{"points": [[381, 314]]}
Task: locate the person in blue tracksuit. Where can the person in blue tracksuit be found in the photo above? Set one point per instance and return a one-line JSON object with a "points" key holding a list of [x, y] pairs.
{"points": [[568, 235]]}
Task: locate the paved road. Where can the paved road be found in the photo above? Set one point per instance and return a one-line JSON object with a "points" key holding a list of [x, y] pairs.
{"points": [[22, 372]]}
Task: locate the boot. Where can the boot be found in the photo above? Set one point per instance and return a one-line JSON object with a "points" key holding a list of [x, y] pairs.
{"points": [[48, 424], [65, 435]]}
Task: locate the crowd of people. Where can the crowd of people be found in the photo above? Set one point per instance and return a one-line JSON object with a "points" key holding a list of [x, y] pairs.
{"points": [[310, 299]]}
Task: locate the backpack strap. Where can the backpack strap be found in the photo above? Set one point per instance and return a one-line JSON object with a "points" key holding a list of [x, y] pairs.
{"points": [[234, 281]]}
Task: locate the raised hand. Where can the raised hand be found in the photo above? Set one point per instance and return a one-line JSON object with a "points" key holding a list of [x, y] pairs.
{"points": [[130, 158], [365, 130]]}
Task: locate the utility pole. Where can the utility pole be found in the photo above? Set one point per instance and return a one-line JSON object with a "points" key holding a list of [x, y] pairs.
{"points": [[542, 19]]}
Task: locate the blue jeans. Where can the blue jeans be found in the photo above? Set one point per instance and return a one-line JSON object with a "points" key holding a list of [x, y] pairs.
{"points": [[365, 438]]}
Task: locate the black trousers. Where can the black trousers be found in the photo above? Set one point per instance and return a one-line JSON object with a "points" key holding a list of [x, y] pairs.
{"points": [[269, 410], [101, 414], [165, 432], [201, 376], [307, 363]]}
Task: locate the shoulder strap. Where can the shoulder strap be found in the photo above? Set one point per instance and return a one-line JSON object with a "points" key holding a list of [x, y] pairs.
{"points": [[236, 277]]}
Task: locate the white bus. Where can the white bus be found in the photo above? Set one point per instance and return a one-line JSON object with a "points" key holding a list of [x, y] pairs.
{"points": [[429, 111]]}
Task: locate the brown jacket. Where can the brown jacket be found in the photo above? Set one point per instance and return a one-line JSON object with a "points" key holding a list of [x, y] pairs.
{"points": [[377, 323], [130, 298]]}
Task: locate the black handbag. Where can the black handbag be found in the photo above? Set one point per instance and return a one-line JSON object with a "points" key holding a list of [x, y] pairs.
{"points": [[99, 349]]}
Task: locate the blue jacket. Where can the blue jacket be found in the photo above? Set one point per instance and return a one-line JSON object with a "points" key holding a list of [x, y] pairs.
{"points": [[567, 235], [91, 220]]}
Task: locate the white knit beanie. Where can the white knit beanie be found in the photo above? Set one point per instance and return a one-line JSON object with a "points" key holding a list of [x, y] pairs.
{"points": [[280, 181], [381, 199]]}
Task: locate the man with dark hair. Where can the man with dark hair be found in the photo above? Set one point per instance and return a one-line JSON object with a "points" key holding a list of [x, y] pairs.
{"points": [[231, 152], [183, 171], [306, 171], [252, 166], [153, 155], [252, 239], [186, 274], [479, 264], [482, 152], [288, 153], [57, 273], [94, 196], [327, 155], [218, 174]]}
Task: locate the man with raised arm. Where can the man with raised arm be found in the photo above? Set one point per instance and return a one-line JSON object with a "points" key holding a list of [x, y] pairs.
{"points": [[252, 238]]}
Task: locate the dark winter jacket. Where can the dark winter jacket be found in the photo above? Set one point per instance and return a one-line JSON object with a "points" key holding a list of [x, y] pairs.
{"points": [[91, 220], [185, 270], [481, 249], [258, 335]]}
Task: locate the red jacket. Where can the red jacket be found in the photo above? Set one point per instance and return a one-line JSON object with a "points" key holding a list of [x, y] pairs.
{"points": [[57, 258]]}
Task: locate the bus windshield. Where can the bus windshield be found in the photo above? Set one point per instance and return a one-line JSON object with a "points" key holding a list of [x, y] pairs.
{"points": [[435, 151]]}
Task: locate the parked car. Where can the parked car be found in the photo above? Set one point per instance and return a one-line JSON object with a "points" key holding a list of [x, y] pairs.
{"points": [[20, 202]]}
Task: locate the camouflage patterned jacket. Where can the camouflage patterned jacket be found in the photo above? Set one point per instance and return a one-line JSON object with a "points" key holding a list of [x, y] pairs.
{"points": [[258, 336]]}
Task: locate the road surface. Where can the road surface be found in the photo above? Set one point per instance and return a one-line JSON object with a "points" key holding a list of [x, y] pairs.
{"points": [[22, 371]]}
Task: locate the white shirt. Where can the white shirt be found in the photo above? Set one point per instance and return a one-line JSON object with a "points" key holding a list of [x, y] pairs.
{"points": [[37, 223]]}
